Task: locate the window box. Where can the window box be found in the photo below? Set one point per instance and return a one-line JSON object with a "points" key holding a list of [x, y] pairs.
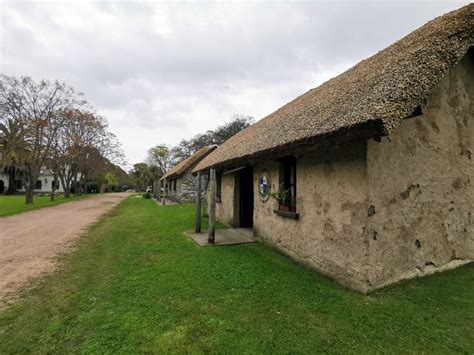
{"points": [[287, 214], [284, 208]]}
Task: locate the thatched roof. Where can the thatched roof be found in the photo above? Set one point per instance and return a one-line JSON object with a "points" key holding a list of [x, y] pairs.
{"points": [[180, 168], [373, 96]]}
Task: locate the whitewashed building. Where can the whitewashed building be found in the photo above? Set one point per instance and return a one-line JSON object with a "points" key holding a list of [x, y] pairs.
{"points": [[44, 183]]}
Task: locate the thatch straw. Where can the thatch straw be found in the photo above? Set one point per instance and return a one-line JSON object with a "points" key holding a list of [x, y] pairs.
{"points": [[376, 94], [180, 168]]}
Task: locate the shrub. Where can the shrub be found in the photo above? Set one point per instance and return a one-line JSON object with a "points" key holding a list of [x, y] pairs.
{"points": [[146, 195]]}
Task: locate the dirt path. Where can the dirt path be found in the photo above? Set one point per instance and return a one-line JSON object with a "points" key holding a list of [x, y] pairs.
{"points": [[31, 241]]}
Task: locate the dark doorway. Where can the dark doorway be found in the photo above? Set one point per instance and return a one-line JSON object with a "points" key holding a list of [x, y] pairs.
{"points": [[244, 194], [2, 187]]}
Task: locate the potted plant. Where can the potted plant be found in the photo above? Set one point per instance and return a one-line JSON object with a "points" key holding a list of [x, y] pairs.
{"points": [[283, 197]]}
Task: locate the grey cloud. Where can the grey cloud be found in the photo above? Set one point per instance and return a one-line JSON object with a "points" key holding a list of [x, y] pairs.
{"points": [[157, 69]]}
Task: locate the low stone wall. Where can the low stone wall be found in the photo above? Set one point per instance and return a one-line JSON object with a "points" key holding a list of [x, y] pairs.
{"points": [[186, 188]]}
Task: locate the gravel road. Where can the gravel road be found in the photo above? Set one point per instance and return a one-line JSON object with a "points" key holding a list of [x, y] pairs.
{"points": [[30, 242]]}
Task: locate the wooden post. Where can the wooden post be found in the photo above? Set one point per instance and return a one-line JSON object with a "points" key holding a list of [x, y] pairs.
{"points": [[212, 207], [198, 204], [163, 199]]}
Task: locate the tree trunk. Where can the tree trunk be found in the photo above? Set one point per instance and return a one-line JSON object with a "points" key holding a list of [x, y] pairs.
{"points": [[84, 183], [80, 186], [29, 196], [11, 180], [62, 180], [67, 189], [53, 187], [30, 188], [76, 186]]}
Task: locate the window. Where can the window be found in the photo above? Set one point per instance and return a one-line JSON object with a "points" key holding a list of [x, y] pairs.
{"points": [[38, 185], [218, 186], [18, 184], [287, 189]]}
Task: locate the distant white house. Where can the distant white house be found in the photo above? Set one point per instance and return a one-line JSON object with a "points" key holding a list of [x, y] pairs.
{"points": [[44, 184]]}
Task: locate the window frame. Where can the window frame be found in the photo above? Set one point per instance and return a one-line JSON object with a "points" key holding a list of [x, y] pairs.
{"points": [[218, 186], [288, 179], [38, 183], [18, 184]]}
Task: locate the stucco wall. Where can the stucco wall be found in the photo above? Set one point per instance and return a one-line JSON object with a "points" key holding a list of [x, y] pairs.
{"points": [[331, 201], [46, 184], [377, 212], [421, 185]]}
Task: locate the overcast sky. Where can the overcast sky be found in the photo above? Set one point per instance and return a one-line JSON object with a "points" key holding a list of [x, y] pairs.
{"points": [[162, 71]]}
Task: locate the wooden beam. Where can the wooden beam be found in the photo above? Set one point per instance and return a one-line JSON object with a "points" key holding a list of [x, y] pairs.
{"points": [[163, 198], [198, 204], [212, 207], [234, 170]]}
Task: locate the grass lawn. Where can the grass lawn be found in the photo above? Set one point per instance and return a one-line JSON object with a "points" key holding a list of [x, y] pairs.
{"points": [[135, 284], [16, 204]]}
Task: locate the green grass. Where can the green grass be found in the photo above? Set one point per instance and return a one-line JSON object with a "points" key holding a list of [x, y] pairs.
{"points": [[135, 284], [16, 204]]}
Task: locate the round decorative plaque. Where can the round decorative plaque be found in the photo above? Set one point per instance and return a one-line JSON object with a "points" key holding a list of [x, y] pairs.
{"points": [[264, 186]]}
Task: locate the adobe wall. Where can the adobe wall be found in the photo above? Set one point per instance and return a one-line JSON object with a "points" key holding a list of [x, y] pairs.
{"points": [[329, 235], [421, 184], [376, 213], [225, 208]]}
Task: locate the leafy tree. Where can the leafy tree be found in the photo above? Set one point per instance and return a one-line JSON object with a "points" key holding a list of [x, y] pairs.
{"points": [[111, 181], [229, 129], [140, 176], [162, 157], [222, 133], [155, 173]]}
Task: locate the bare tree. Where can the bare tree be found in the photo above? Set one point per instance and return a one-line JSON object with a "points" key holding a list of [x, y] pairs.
{"points": [[83, 148], [35, 107]]}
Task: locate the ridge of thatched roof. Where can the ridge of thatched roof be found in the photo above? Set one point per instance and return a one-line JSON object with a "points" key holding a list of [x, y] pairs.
{"points": [[374, 95], [181, 167]]}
